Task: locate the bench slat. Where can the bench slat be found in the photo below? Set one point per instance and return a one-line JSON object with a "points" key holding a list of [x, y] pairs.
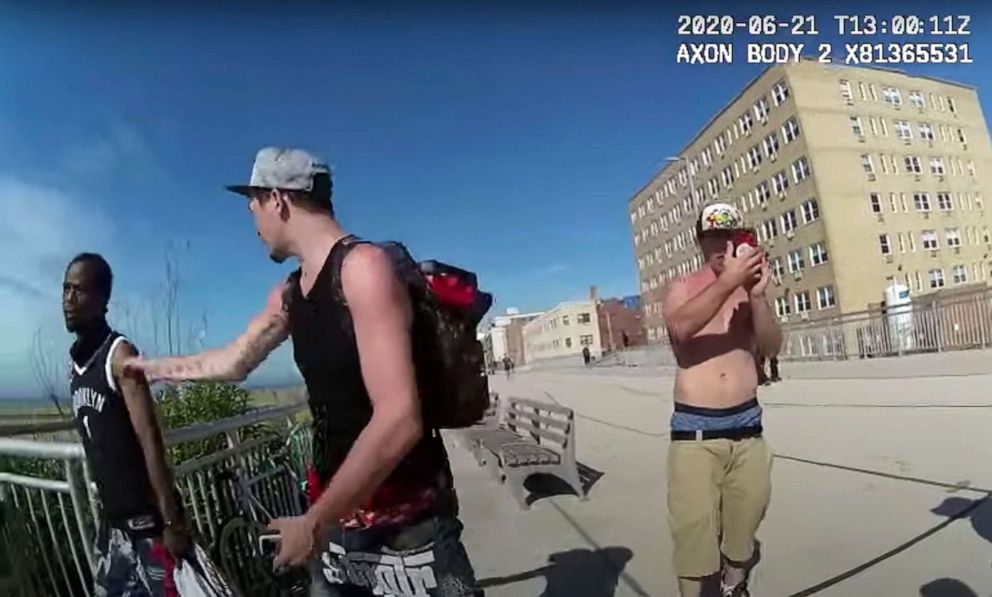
{"points": [[554, 408], [543, 419], [545, 433]]}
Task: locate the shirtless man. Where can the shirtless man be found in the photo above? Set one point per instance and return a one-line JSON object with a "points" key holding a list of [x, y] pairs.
{"points": [[719, 467]]}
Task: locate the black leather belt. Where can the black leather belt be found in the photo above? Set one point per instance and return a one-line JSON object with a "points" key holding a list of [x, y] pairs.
{"points": [[738, 433]]}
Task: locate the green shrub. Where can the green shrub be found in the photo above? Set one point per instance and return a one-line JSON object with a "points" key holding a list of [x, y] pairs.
{"points": [[202, 402]]}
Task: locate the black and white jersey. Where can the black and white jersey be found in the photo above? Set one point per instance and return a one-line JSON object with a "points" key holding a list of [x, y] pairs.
{"points": [[109, 439]]}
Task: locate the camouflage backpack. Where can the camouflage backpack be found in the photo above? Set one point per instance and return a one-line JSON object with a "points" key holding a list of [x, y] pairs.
{"points": [[449, 359]]}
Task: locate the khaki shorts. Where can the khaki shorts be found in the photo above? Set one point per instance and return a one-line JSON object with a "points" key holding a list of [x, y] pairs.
{"points": [[716, 487]]}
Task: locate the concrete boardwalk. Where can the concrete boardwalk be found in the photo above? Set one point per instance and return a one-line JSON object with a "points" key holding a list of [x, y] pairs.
{"points": [[878, 485]]}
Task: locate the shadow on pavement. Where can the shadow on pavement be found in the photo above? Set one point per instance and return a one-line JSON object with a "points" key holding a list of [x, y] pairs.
{"points": [[946, 587], [979, 513], [575, 573], [543, 486]]}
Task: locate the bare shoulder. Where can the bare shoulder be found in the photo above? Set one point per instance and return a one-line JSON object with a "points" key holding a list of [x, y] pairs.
{"points": [[368, 272], [681, 288]]}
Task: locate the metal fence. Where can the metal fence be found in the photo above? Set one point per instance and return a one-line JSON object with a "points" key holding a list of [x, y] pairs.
{"points": [[48, 514], [958, 322]]}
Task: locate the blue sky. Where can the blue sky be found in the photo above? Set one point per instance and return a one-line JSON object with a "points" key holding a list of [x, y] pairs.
{"points": [[507, 141]]}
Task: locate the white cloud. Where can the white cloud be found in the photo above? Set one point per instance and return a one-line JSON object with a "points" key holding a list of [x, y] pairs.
{"points": [[41, 229], [105, 153]]}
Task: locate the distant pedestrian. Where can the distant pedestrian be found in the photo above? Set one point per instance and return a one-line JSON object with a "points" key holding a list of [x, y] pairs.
{"points": [[626, 340], [507, 366], [773, 368], [586, 355]]}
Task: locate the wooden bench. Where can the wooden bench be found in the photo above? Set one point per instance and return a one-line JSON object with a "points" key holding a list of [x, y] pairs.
{"points": [[531, 438]]}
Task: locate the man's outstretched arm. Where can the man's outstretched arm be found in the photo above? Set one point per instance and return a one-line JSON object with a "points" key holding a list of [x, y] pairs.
{"points": [[234, 362]]}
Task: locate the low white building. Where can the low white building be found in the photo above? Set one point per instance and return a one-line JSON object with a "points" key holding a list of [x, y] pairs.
{"points": [[504, 337], [563, 331]]}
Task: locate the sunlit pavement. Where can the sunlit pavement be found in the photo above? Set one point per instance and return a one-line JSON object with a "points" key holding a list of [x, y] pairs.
{"points": [[878, 484]]}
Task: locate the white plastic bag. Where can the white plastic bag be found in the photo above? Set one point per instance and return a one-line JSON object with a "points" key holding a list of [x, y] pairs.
{"points": [[205, 582]]}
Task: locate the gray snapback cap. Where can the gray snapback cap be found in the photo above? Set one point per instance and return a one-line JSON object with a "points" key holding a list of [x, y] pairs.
{"points": [[287, 169]]}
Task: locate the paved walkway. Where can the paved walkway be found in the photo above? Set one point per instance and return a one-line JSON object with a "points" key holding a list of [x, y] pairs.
{"points": [[879, 485]]}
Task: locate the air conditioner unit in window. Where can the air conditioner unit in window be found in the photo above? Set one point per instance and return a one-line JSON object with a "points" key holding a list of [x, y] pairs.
{"points": [[940, 178], [888, 259], [804, 315], [907, 142], [957, 250], [916, 177], [849, 101], [871, 177], [773, 157], [777, 280], [764, 205], [770, 242], [798, 274], [781, 195], [790, 234], [861, 139]]}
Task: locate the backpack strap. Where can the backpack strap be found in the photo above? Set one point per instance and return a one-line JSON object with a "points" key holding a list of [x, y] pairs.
{"points": [[339, 251]]}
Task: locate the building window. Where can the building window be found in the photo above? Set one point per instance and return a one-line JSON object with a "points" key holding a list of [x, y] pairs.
{"points": [[800, 169], [875, 202], [817, 254], [971, 168], [796, 261], [845, 89], [866, 163], [780, 182], [953, 236], [903, 130], [921, 201], [916, 98], [945, 202], [779, 93], [769, 229], [582, 318], [863, 91], [771, 145], [777, 269], [811, 211], [764, 194], [892, 96], [789, 220], [913, 165], [979, 202], [802, 302], [892, 202], [746, 122], [564, 319], [902, 242], [585, 340], [902, 200], [856, 127], [754, 156], [937, 166], [951, 105], [721, 145], [761, 109], [825, 297], [568, 343], [936, 279], [782, 307], [926, 131], [790, 130], [883, 244], [959, 274], [930, 241]]}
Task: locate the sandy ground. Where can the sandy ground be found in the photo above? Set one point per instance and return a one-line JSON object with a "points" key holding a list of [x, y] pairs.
{"points": [[879, 480]]}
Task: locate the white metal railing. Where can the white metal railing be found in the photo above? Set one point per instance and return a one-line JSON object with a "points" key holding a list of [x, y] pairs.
{"points": [[49, 505], [958, 322]]}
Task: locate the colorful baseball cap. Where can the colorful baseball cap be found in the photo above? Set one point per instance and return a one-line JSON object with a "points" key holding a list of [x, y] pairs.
{"points": [[720, 216]]}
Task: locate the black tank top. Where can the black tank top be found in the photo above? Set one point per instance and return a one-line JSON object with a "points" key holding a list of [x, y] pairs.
{"points": [[326, 353], [109, 439]]}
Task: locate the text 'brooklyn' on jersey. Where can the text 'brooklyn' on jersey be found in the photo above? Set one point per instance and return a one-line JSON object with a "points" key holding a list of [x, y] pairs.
{"points": [[109, 440]]}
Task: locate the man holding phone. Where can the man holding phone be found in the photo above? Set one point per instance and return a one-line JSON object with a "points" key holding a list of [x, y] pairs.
{"points": [[719, 466]]}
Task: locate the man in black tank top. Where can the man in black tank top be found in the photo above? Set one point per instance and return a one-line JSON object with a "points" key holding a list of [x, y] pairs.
{"points": [[142, 528], [385, 521]]}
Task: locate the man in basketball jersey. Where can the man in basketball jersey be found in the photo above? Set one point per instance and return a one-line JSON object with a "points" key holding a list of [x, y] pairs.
{"points": [[142, 529], [385, 522]]}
